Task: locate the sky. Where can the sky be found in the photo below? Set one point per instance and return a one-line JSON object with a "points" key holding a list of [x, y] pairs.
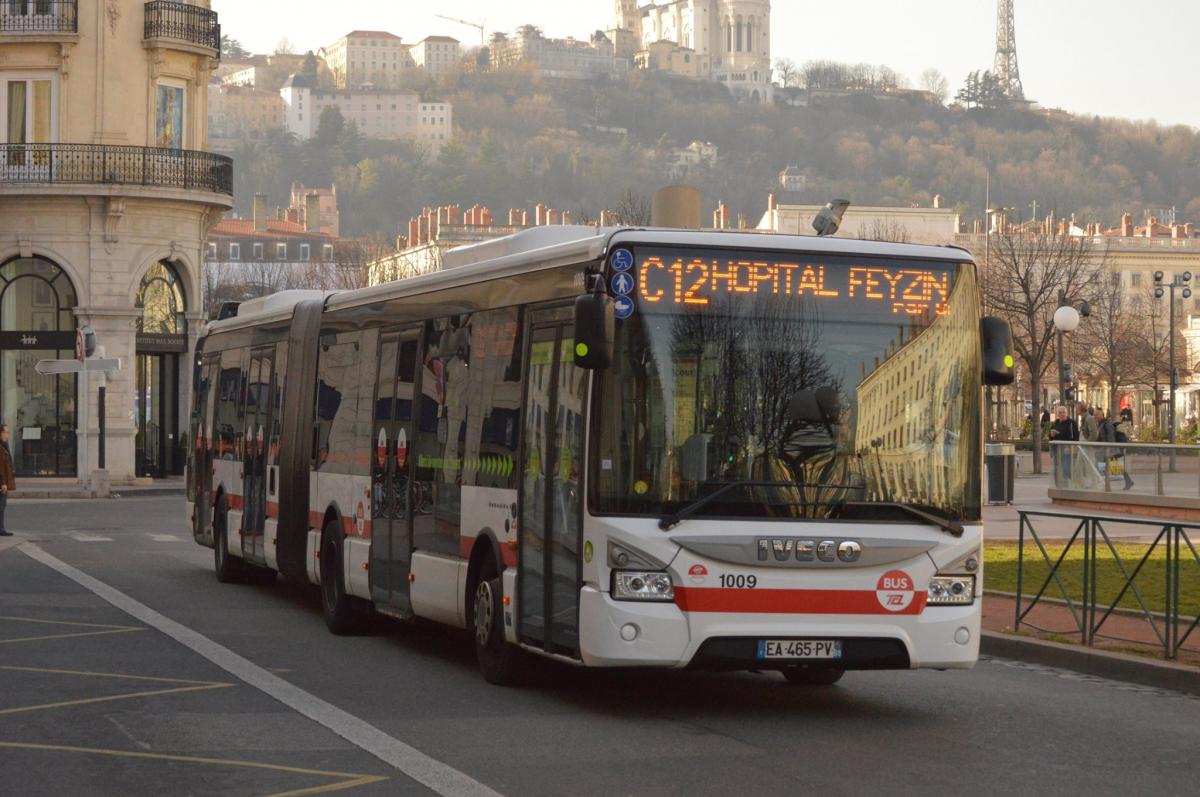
{"points": [[1104, 57]]}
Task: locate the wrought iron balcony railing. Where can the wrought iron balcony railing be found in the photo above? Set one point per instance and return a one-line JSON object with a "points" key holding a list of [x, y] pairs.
{"points": [[39, 16], [183, 22], [115, 165]]}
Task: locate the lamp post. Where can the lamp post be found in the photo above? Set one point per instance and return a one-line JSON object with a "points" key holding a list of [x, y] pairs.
{"points": [[1066, 319], [1180, 281]]}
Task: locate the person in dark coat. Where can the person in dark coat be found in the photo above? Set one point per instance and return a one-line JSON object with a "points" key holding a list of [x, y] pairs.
{"points": [[7, 482], [1113, 456], [1063, 430]]}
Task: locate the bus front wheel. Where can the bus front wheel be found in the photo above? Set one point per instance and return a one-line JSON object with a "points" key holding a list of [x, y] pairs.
{"points": [[336, 605], [498, 659]]}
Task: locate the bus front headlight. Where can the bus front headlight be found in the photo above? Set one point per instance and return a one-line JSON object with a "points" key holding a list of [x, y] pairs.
{"points": [[635, 585], [951, 590]]}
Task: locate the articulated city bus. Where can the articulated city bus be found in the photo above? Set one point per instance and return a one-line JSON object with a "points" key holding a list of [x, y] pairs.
{"points": [[619, 447]]}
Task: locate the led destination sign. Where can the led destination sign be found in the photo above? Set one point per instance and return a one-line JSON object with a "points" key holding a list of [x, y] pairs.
{"points": [[675, 282]]}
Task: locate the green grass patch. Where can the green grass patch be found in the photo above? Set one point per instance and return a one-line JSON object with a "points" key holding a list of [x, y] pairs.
{"points": [[1000, 573]]}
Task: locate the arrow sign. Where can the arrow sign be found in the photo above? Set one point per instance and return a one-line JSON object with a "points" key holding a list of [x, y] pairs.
{"points": [[51, 367]]}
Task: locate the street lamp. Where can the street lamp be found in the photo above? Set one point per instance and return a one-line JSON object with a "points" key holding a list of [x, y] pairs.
{"points": [[1177, 281], [1066, 319]]}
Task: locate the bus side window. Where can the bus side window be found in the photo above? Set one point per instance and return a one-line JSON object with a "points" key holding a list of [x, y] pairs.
{"points": [[339, 383], [494, 400]]}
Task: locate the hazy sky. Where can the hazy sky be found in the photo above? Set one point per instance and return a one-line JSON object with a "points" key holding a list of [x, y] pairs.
{"points": [[1107, 57]]}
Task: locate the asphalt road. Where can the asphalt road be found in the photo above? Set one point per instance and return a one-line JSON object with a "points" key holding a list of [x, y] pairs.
{"points": [[95, 700]]}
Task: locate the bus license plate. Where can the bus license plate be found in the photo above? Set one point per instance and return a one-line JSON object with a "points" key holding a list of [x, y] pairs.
{"points": [[799, 649]]}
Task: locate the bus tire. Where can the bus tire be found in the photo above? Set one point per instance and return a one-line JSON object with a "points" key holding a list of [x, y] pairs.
{"points": [[228, 568], [336, 605], [498, 659], [809, 676]]}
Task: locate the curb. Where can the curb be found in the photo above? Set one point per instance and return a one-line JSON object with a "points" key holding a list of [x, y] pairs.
{"points": [[75, 495], [1089, 661]]}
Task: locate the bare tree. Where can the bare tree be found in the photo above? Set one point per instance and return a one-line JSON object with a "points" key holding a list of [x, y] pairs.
{"points": [[1153, 345], [632, 209], [936, 84], [884, 230], [1022, 283], [787, 72], [1113, 336]]}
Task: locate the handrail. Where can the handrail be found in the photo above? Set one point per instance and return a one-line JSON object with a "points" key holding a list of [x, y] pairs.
{"points": [[183, 21], [1129, 444], [1092, 537], [110, 164], [39, 16]]}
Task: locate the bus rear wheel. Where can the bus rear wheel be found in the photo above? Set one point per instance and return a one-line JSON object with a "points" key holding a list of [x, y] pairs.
{"points": [[228, 568], [336, 605], [499, 660], [808, 676]]}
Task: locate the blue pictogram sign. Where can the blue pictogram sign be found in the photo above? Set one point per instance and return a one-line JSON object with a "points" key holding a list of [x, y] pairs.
{"points": [[623, 307], [621, 260], [622, 283]]}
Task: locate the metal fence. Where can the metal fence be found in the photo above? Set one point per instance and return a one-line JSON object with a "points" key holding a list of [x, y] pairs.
{"points": [[116, 165], [39, 16], [1173, 548], [1159, 469], [184, 22]]}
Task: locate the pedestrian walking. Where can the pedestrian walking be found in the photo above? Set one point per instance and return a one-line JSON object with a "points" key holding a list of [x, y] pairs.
{"points": [[1063, 430], [7, 482], [1045, 420], [1114, 458], [1088, 428]]}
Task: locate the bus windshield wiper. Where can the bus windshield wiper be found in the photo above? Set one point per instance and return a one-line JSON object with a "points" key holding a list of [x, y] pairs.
{"points": [[945, 524], [669, 522]]}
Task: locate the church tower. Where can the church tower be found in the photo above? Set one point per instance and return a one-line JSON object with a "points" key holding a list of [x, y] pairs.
{"points": [[628, 16]]}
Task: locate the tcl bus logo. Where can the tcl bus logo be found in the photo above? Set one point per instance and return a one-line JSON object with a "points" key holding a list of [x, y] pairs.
{"points": [[784, 549]]}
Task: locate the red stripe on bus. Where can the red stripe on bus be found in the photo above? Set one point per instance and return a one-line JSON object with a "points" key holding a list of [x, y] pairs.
{"points": [[788, 601], [236, 502], [273, 509]]}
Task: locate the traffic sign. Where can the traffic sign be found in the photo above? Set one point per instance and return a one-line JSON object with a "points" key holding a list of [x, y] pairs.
{"points": [[51, 367]]}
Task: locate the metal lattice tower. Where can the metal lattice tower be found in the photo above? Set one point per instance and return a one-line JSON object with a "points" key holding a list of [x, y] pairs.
{"points": [[1005, 69]]}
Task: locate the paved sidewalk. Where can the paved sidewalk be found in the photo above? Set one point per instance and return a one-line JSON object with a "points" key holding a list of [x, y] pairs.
{"points": [[32, 490], [1122, 631]]}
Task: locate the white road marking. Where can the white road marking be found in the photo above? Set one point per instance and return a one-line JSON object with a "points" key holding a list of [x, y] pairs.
{"points": [[429, 772], [80, 536], [163, 537]]}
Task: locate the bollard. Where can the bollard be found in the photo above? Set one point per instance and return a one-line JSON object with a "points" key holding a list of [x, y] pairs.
{"points": [[1158, 469]]}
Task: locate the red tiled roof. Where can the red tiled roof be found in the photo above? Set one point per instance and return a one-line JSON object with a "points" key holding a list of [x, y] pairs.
{"points": [[244, 228]]}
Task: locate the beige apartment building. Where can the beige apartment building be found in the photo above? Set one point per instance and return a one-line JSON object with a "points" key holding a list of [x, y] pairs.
{"points": [[378, 113], [373, 58], [106, 195], [236, 111], [437, 55]]}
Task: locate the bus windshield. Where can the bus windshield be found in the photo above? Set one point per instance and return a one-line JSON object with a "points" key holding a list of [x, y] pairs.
{"points": [[798, 386]]}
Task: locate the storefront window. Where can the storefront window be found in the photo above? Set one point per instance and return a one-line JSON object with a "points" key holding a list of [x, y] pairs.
{"points": [[37, 323]]}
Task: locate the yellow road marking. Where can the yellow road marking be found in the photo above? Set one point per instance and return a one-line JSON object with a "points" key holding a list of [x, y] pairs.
{"points": [[68, 636], [110, 698], [108, 629], [353, 779], [113, 675], [63, 622]]}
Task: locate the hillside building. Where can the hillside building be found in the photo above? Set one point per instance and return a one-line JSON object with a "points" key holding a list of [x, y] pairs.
{"points": [[372, 58], [328, 218], [377, 113], [437, 56], [237, 111], [564, 59], [726, 41], [107, 192]]}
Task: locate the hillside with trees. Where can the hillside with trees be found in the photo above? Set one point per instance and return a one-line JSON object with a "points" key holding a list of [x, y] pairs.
{"points": [[580, 146]]}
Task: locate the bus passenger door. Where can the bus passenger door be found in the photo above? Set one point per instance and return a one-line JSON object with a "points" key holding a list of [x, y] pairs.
{"points": [[391, 521], [551, 527], [254, 458]]}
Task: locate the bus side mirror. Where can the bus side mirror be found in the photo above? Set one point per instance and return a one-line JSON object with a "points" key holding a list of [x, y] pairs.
{"points": [[595, 329], [999, 366]]}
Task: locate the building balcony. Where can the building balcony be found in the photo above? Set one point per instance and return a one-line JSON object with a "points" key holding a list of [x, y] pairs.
{"points": [[51, 169], [36, 19], [182, 26]]}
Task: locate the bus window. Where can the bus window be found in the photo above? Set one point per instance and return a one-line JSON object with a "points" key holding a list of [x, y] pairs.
{"points": [[441, 434], [340, 375], [495, 399], [228, 417]]}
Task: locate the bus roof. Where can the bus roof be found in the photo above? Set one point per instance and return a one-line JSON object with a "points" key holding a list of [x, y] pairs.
{"points": [[559, 245]]}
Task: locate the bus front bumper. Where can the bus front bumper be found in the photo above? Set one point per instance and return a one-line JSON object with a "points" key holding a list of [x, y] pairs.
{"points": [[627, 633]]}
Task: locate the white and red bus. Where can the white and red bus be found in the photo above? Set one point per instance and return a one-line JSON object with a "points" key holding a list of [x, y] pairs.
{"points": [[619, 448]]}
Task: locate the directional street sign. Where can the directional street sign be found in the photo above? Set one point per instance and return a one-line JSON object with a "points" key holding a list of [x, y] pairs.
{"points": [[49, 367]]}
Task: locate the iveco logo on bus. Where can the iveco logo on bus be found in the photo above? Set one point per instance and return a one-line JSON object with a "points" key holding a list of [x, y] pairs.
{"points": [[785, 549]]}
